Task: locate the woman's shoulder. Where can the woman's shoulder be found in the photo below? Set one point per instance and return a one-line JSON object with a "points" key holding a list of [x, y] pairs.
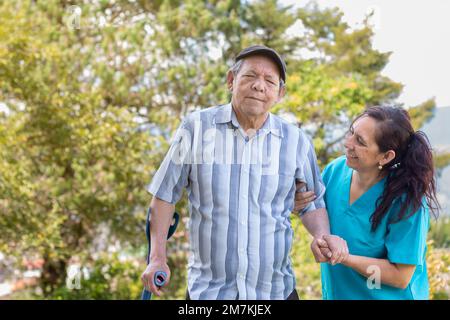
{"points": [[410, 215], [337, 166]]}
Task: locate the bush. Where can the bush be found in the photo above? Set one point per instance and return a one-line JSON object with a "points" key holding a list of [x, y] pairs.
{"points": [[109, 278], [438, 263], [440, 232]]}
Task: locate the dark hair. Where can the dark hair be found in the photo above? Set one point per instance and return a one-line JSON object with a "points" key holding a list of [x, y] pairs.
{"points": [[410, 175]]}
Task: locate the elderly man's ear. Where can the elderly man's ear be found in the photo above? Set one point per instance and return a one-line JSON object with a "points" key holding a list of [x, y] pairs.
{"points": [[281, 93], [230, 79]]}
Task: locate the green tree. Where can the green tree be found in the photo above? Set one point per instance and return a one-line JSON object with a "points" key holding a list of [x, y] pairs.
{"points": [[72, 157]]}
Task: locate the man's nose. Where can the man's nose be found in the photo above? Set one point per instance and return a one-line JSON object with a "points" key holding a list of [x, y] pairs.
{"points": [[258, 85]]}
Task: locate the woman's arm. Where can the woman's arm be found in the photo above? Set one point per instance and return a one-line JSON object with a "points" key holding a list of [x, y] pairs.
{"points": [[393, 274]]}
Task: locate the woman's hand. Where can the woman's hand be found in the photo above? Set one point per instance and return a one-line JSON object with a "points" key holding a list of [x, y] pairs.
{"points": [[320, 250], [337, 246], [302, 198]]}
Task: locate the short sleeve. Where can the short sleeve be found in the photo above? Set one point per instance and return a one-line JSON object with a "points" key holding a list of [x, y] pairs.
{"points": [[406, 239], [308, 171], [172, 176]]}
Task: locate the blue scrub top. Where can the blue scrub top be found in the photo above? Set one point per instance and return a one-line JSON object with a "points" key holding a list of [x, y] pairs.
{"points": [[401, 242]]}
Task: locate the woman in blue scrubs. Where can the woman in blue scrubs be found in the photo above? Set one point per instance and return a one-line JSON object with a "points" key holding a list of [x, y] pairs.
{"points": [[379, 196]]}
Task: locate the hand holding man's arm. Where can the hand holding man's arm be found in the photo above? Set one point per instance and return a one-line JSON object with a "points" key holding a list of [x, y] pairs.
{"points": [[325, 247], [338, 247]]}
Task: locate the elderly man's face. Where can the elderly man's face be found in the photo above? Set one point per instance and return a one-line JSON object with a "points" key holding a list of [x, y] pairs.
{"points": [[256, 87]]}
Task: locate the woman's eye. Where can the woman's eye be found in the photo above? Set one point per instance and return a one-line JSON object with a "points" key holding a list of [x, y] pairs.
{"points": [[360, 142]]}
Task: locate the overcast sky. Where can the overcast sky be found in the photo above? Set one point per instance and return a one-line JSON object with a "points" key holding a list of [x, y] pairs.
{"points": [[418, 33]]}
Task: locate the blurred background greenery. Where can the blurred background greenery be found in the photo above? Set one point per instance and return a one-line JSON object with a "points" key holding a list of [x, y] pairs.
{"points": [[90, 94]]}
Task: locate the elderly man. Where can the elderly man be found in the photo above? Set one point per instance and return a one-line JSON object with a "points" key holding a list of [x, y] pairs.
{"points": [[240, 165]]}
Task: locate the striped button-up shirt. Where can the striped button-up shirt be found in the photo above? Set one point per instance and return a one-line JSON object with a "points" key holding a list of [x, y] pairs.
{"points": [[241, 193]]}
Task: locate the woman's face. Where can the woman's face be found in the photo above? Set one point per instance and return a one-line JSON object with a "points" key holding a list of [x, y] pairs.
{"points": [[361, 149]]}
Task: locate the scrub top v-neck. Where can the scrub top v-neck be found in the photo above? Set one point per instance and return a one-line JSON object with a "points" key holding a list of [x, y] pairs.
{"points": [[400, 242]]}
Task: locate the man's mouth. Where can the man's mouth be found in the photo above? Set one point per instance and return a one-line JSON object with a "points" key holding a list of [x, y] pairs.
{"points": [[253, 98], [351, 155]]}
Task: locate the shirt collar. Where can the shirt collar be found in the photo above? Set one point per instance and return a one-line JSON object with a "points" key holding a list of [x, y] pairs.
{"points": [[226, 114]]}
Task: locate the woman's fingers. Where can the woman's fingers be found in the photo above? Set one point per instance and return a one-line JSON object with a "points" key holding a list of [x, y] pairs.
{"points": [[304, 195], [339, 248], [340, 254], [340, 257], [299, 185], [303, 199]]}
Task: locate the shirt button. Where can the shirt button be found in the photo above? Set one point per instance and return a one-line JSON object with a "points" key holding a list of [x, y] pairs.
{"points": [[243, 222]]}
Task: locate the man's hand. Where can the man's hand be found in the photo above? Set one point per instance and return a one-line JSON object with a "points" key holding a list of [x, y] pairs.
{"points": [[149, 274], [320, 250], [337, 246]]}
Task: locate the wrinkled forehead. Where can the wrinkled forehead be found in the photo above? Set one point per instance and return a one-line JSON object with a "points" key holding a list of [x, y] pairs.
{"points": [[261, 64]]}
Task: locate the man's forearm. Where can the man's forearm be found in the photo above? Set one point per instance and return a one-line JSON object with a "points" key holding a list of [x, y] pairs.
{"points": [[316, 222], [161, 219]]}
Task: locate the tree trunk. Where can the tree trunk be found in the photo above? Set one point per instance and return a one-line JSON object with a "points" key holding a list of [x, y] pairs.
{"points": [[53, 275]]}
